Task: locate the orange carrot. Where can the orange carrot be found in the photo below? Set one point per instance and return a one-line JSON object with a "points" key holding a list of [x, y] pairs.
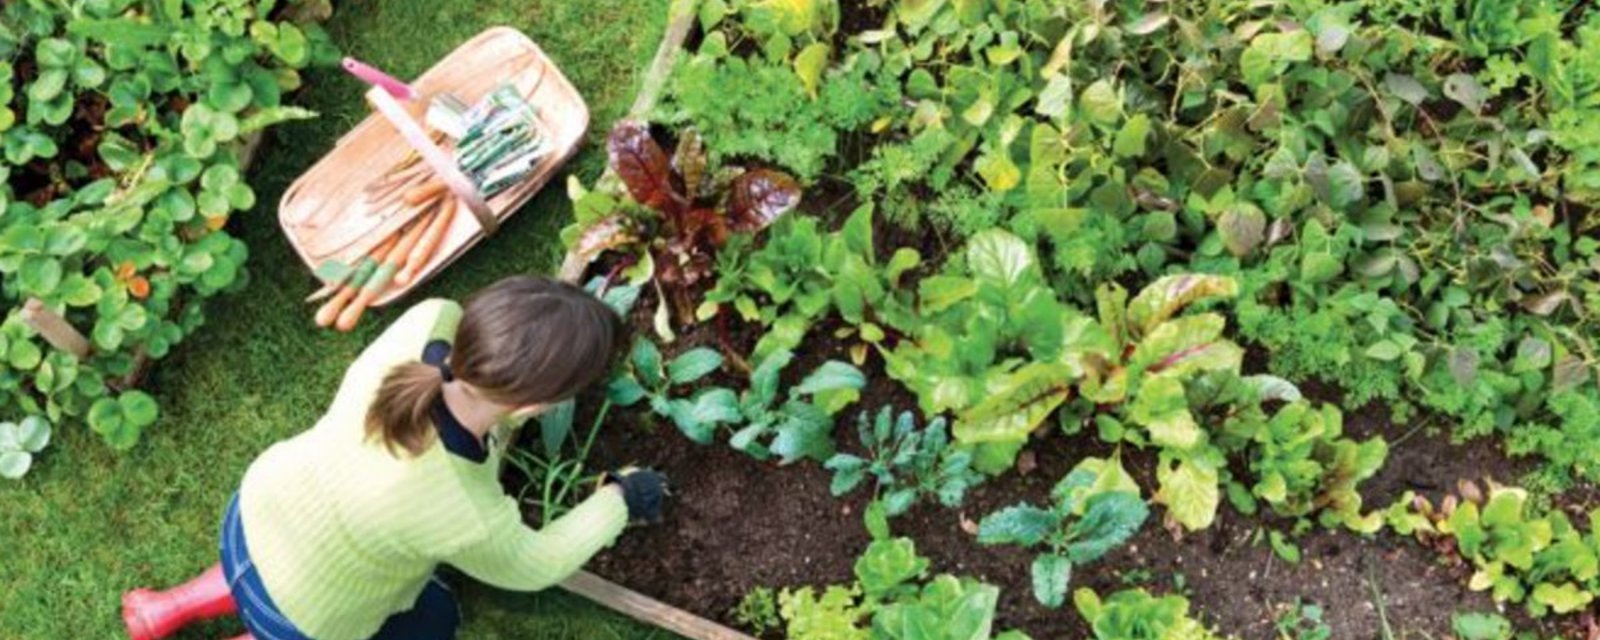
{"points": [[423, 252]]}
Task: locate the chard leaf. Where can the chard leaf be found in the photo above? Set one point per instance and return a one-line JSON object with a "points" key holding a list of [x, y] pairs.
{"points": [[1017, 406], [1188, 345], [1167, 296], [644, 169], [1162, 407], [1189, 490], [759, 197]]}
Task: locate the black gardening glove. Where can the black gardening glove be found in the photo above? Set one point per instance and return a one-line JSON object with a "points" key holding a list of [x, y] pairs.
{"points": [[643, 490]]}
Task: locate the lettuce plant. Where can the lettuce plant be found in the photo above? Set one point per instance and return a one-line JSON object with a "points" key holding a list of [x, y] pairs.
{"points": [[1304, 466], [1134, 614], [1094, 509], [892, 599]]}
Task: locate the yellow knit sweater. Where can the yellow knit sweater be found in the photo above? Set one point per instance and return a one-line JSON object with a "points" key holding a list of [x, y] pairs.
{"points": [[344, 534]]}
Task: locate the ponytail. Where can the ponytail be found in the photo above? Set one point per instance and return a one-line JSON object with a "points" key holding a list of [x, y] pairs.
{"points": [[402, 413]]}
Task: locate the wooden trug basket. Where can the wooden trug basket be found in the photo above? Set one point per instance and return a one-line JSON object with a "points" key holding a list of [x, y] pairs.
{"points": [[325, 213]]}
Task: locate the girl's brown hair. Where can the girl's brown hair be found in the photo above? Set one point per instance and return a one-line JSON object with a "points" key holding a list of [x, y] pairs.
{"points": [[524, 340]]}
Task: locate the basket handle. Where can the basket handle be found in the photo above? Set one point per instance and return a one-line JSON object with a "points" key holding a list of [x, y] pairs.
{"points": [[442, 165]]}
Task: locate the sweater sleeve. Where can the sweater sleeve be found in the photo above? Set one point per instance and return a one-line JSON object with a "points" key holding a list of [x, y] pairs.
{"points": [[516, 557]]}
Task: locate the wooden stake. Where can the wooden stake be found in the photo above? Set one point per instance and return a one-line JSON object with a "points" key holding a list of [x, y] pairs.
{"points": [[646, 609], [54, 329]]}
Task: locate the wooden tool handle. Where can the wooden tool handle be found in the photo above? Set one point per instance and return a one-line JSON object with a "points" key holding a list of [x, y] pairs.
{"points": [[329, 312], [430, 190], [385, 273], [431, 239]]}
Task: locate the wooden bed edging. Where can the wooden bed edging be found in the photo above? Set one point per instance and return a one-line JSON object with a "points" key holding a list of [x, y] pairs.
{"points": [[646, 609]]}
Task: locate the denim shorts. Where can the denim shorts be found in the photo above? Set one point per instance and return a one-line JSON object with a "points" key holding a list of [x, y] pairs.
{"points": [[434, 616]]}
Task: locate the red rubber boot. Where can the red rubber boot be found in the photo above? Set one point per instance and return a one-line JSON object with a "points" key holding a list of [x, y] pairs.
{"points": [[152, 615], [245, 637]]}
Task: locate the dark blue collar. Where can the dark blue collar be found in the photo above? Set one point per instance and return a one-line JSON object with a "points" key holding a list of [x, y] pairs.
{"points": [[452, 434]]}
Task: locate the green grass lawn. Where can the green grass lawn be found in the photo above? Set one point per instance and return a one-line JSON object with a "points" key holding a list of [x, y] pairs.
{"points": [[89, 523]]}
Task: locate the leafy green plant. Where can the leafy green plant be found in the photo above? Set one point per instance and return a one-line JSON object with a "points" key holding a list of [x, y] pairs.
{"points": [[758, 611], [121, 124], [906, 464], [1302, 621], [1480, 626], [1134, 614], [19, 443], [1520, 555], [801, 275], [892, 599], [990, 341], [802, 426], [681, 211], [1095, 508], [648, 378], [1303, 465]]}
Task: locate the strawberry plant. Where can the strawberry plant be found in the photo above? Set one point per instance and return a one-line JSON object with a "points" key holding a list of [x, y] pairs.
{"points": [[906, 464], [121, 124], [19, 443], [1095, 509]]}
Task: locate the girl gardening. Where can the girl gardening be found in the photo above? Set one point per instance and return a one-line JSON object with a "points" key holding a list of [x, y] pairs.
{"points": [[337, 533]]}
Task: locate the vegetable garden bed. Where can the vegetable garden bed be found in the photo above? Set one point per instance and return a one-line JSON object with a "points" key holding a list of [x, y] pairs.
{"points": [[1045, 234], [737, 524]]}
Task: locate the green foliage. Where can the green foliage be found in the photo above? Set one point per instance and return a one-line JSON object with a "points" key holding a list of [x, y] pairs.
{"points": [[801, 427], [781, 109], [19, 443], [647, 378], [892, 600], [1302, 621], [1134, 614], [1519, 554], [906, 464], [801, 275], [1096, 508], [120, 125], [1480, 626], [758, 611], [1303, 465]]}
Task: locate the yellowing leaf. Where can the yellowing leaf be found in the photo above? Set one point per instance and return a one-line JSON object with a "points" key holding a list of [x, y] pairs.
{"points": [[1190, 492], [810, 64]]}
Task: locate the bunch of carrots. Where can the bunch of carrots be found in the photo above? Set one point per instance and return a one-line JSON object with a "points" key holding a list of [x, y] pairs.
{"points": [[397, 260]]}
